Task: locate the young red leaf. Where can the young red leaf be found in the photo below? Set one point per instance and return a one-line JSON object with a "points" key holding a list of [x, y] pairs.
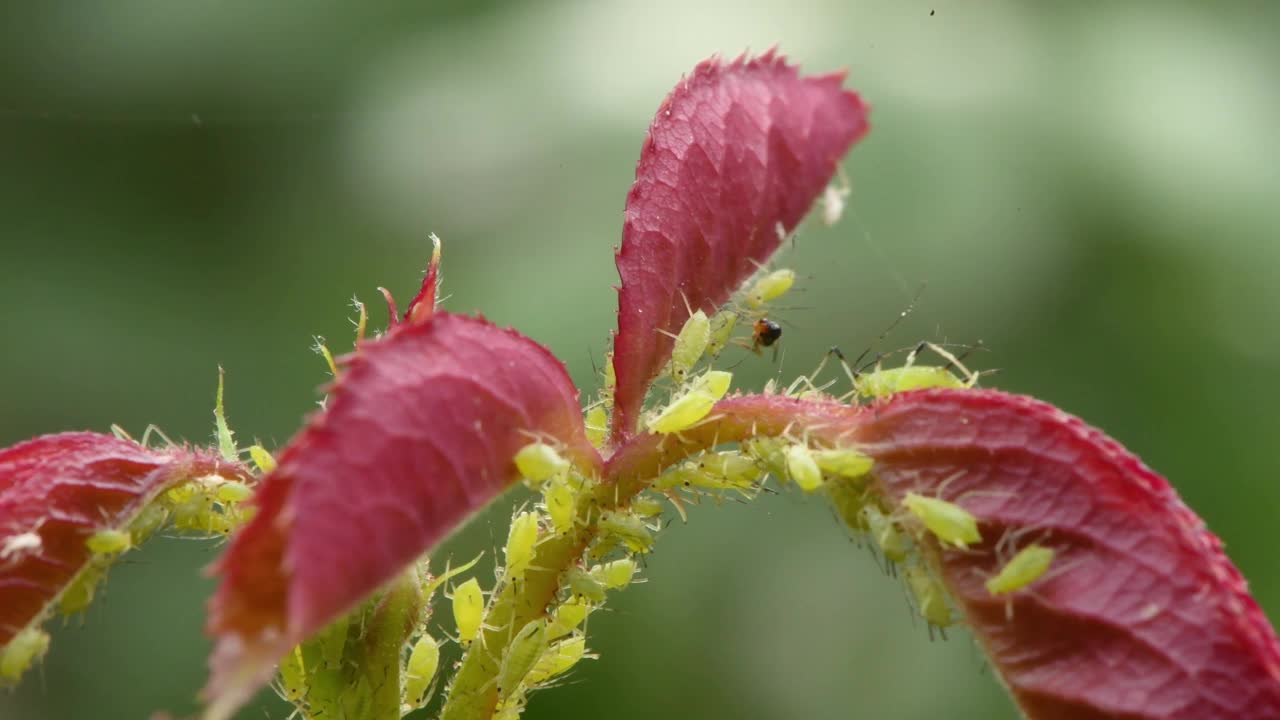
{"points": [[1141, 614], [419, 432], [58, 490], [734, 159]]}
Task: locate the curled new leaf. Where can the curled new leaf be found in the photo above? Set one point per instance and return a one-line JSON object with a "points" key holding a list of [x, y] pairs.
{"points": [[57, 491], [420, 431], [734, 159], [1141, 615]]}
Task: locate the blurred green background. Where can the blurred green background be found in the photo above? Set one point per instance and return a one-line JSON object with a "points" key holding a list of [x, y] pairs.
{"points": [[1089, 188]]}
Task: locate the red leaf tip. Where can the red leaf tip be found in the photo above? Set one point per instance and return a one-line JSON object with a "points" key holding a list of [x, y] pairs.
{"points": [[736, 151]]}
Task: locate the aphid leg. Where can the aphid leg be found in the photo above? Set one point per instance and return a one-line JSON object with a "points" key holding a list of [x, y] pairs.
{"points": [[146, 436]]}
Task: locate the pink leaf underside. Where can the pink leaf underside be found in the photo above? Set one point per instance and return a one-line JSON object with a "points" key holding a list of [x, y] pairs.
{"points": [[1141, 614], [736, 150], [419, 432], [63, 488]]}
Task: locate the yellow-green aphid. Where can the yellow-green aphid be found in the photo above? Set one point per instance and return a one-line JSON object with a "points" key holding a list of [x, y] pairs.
{"points": [[694, 404], [226, 442], [468, 610], [616, 574], [846, 463], [147, 522], [109, 542], [584, 586], [890, 381], [293, 676], [885, 534], [420, 672], [770, 287], [647, 507], [1026, 567], [23, 651], [520, 543], [950, 523], [539, 462], [770, 452], [930, 597], [610, 381], [526, 647], [722, 325], [80, 592], [803, 469], [690, 344], [628, 528], [558, 497], [596, 421], [262, 458], [232, 491], [729, 470], [557, 660], [568, 616]]}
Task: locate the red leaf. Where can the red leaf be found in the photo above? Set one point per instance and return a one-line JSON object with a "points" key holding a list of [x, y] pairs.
{"points": [[419, 432], [735, 151], [1141, 615], [63, 488]]}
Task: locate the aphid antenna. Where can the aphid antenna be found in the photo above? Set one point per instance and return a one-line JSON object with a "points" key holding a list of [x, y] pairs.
{"points": [[688, 308], [1011, 538]]}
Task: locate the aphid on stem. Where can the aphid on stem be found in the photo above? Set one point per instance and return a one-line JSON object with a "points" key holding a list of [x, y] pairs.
{"points": [[468, 610]]}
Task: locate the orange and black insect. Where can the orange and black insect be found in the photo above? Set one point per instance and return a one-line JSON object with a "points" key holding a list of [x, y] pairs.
{"points": [[764, 333]]}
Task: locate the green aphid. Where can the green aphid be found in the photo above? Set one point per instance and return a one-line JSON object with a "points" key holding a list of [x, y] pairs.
{"points": [[722, 325], [690, 345], [24, 650], [525, 649], [420, 672], [803, 469], [539, 462], [616, 574], [568, 616], [109, 542], [950, 523], [468, 610], [694, 404], [583, 585], [890, 381], [930, 597], [627, 528], [1029, 565]]}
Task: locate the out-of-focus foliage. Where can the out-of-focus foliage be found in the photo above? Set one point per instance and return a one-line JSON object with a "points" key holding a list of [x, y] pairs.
{"points": [[1090, 189]]}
